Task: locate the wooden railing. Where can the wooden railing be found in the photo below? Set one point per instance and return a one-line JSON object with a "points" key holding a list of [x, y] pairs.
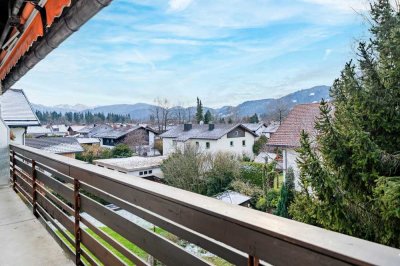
{"points": [[60, 189]]}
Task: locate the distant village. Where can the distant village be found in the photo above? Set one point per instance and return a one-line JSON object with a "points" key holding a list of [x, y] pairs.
{"points": [[140, 149]]}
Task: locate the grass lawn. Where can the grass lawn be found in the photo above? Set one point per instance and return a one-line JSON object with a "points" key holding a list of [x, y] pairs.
{"points": [[132, 247]]}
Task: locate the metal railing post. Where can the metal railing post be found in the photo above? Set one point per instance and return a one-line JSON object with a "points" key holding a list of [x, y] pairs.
{"points": [[253, 261], [34, 195], [77, 229], [14, 176]]}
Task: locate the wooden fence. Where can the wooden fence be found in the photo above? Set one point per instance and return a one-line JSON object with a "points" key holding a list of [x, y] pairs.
{"points": [[60, 189]]}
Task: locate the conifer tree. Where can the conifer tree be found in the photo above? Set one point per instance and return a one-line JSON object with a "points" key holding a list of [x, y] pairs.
{"points": [[208, 117], [199, 111], [351, 176], [286, 195]]}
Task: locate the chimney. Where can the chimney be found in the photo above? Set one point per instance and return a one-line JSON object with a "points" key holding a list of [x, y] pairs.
{"points": [[187, 127], [211, 126]]}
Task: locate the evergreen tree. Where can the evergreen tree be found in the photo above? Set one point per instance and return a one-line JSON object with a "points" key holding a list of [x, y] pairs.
{"points": [[352, 183], [208, 117], [286, 194], [254, 119], [199, 111]]}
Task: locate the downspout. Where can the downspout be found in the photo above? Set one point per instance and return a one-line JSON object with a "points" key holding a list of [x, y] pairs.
{"points": [[4, 152], [12, 20]]}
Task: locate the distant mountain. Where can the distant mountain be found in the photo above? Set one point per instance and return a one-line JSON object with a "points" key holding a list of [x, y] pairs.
{"points": [[266, 106], [63, 108], [142, 111]]}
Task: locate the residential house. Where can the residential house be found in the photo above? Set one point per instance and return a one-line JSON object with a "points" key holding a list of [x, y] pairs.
{"points": [[212, 138], [287, 137], [271, 129], [59, 130], [17, 113], [91, 130], [113, 136], [89, 141], [145, 167], [74, 130], [68, 147], [257, 128], [39, 131]]}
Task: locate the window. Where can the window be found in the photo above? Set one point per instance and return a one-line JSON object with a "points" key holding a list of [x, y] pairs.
{"points": [[197, 144], [145, 172], [140, 173], [150, 171], [243, 143], [207, 145], [231, 143]]}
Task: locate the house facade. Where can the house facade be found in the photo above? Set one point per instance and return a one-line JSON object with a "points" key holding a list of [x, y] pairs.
{"points": [[18, 114], [139, 136], [211, 138], [144, 167], [287, 137]]}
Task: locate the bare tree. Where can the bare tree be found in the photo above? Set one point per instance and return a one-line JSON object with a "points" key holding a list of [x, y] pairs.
{"points": [[137, 140], [161, 113]]}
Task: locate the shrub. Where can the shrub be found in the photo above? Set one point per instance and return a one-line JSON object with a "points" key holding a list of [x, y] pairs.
{"points": [[121, 151], [259, 144]]}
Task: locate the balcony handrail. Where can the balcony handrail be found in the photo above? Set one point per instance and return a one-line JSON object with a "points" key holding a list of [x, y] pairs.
{"points": [[235, 233]]}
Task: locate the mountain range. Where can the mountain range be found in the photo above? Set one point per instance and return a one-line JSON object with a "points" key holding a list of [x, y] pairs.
{"points": [[143, 111]]}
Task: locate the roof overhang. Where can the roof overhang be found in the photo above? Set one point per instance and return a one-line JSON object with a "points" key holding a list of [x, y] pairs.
{"points": [[30, 30]]}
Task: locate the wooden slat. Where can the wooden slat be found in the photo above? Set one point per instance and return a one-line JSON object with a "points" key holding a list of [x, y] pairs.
{"points": [[21, 157], [233, 256], [47, 216], [24, 194], [261, 235], [24, 176], [88, 257], [21, 180], [50, 195], [25, 167], [162, 249], [55, 212], [65, 247], [56, 174], [101, 252], [115, 244], [58, 187]]}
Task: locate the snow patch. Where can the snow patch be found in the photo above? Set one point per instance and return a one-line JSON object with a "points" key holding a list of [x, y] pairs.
{"points": [[295, 101], [312, 94]]}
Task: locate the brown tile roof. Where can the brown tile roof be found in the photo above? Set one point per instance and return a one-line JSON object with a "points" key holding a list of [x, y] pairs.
{"points": [[302, 116]]}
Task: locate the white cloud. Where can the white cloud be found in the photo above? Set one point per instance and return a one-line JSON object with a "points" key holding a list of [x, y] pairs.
{"points": [[327, 53], [342, 5], [178, 5]]}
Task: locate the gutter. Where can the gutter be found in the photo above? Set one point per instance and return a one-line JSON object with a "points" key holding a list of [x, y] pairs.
{"points": [[68, 23]]}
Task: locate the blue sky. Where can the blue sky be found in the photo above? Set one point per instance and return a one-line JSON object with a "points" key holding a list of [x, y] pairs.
{"points": [[225, 52]]}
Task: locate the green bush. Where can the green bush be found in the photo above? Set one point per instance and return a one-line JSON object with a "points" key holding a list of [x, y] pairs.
{"points": [[259, 144], [121, 151], [252, 172]]}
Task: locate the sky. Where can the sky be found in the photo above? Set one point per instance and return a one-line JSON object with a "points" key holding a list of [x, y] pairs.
{"points": [[223, 51]]}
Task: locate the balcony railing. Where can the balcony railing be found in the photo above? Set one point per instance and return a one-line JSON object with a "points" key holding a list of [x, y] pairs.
{"points": [[60, 189]]}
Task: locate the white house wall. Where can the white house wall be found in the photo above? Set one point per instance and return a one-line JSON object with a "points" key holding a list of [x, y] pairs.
{"points": [[220, 145], [152, 137], [289, 160], [19, 133]]}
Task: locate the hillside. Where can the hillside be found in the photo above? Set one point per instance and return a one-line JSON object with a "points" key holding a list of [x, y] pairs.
{"points": [[142, 111]]}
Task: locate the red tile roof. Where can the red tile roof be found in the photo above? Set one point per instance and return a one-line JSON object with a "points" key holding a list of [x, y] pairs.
{"points": [[302, 116]]}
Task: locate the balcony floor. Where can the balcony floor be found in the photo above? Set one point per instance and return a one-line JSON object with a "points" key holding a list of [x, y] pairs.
{"points": [[23, 239]]}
